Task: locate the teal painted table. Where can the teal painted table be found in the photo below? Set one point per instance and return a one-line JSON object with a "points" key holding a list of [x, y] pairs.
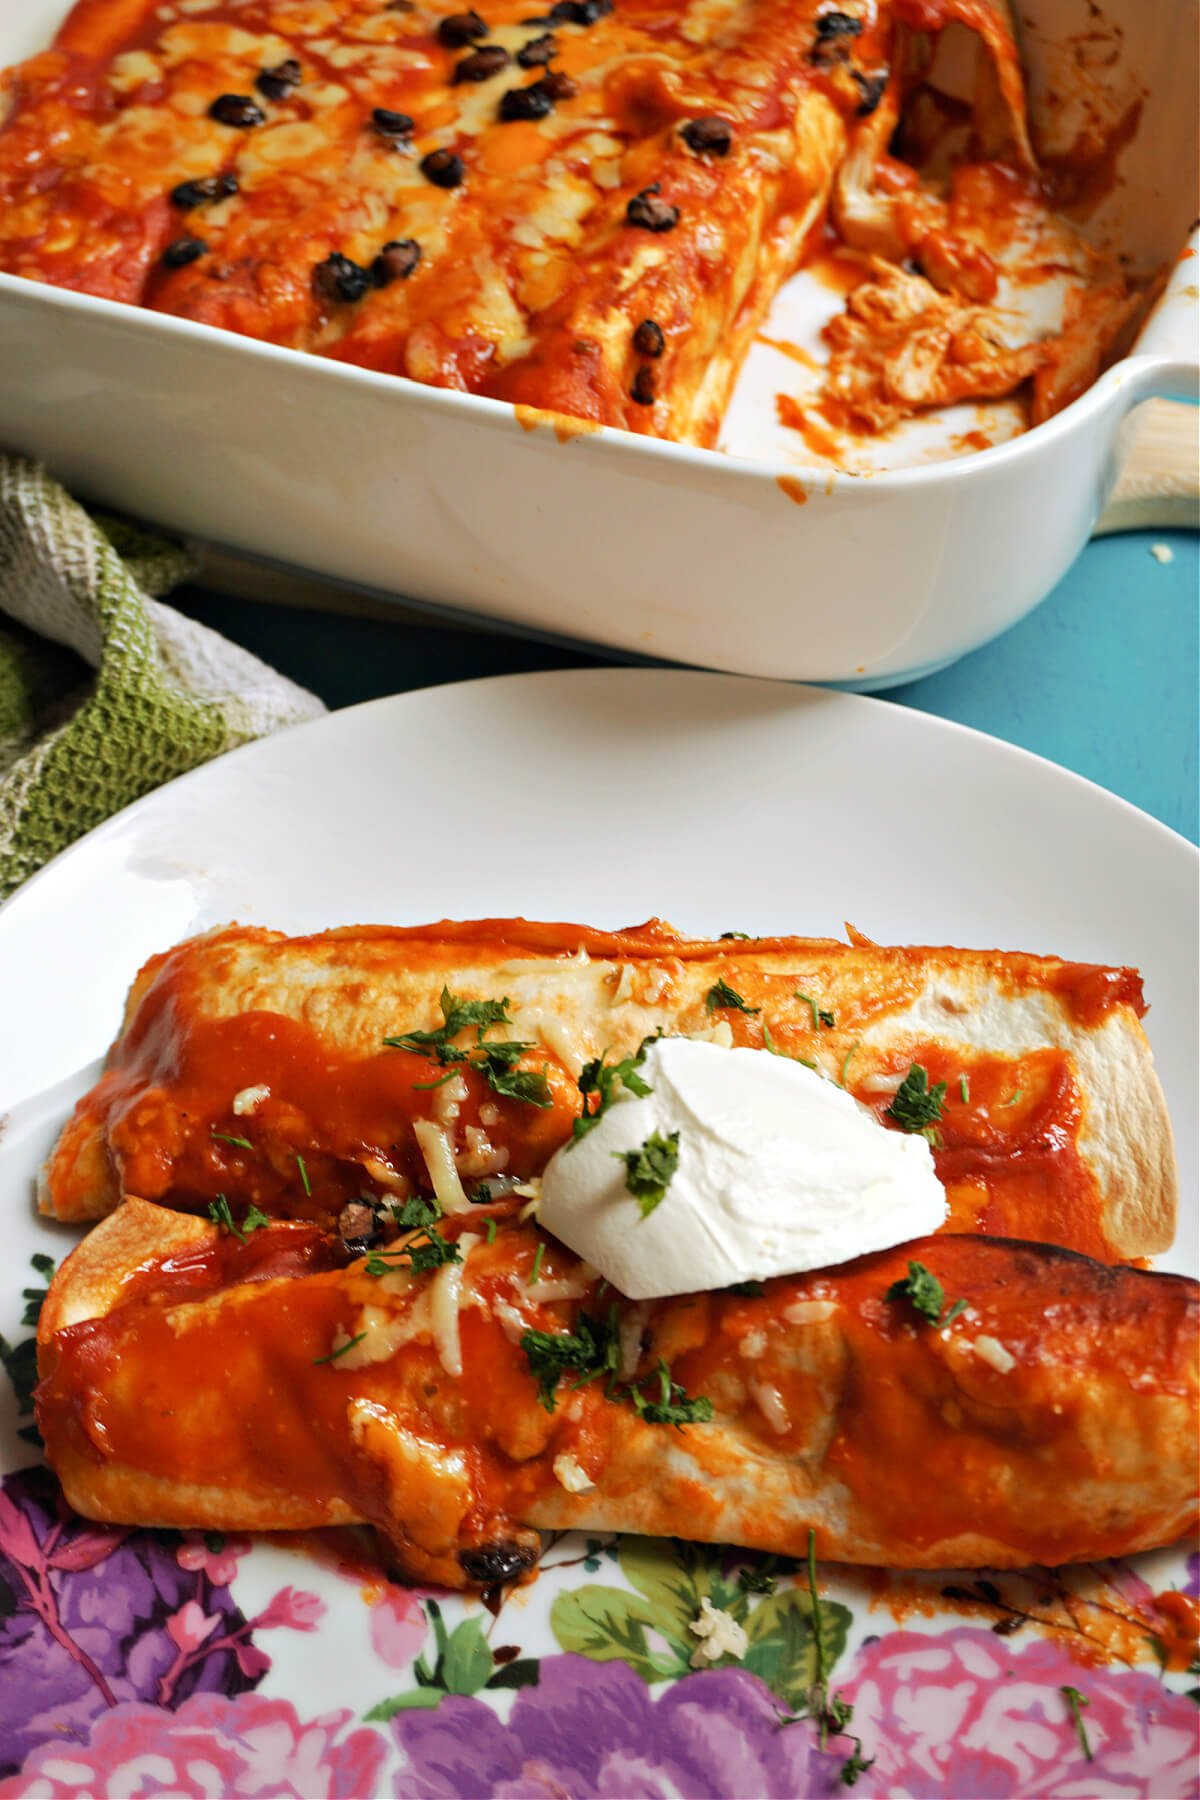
{"points": [[1104, 677]]}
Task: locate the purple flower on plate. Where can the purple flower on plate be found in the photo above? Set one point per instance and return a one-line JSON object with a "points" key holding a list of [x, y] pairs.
{"points": [[91, 1616], [596, 1729], [249, 1746], [965, 1715]]}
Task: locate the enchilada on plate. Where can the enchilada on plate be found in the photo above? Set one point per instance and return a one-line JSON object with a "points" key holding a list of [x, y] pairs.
{"points": [[295, 1074]]}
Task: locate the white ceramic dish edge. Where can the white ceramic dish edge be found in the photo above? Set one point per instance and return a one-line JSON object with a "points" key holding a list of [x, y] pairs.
{"points": [[751, 566]]}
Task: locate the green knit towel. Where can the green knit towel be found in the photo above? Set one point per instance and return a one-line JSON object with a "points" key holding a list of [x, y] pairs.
{"points": [[104, 692]]}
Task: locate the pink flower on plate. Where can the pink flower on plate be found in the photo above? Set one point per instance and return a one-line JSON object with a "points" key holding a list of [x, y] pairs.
{"points": [[189, 1627], [293, 1607], [249, 1746], [220, 1565], [397, 1627], [967, 1715]]}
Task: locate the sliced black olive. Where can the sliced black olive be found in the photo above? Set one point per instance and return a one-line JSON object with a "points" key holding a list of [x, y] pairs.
{"points": [[499, 1562], [579, 12], [708, 136], [871, 88], [238, 110], [481, 65], [538, 51], [650, 212], [837, 24], [533, 102], [392, 125], [338, 278], [461, 28], [443, 168], [183, 251], [277, 83], [649, 339], [396, 261], [643, 386], [206, 187]]}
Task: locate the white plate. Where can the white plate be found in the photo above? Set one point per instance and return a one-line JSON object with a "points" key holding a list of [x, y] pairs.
{"points": [[602, 796]]}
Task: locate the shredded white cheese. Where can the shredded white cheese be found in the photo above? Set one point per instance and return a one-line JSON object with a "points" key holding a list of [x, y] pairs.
{"points": [[445, 1299], [629, 1338], [443, 1170], [753, 1344], [719, 1633], [809, 1312], [720, 1034], [569, 1474], [249, 1099], [770, 1403], [991, 1351], [509, 1319], [542, 1292], [448, 1099]]}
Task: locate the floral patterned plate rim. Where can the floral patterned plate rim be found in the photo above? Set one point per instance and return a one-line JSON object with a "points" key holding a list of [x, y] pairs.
{"points": [[159, 1662]]}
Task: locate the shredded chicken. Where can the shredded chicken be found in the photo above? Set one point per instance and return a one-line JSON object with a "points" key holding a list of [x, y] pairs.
{"points": [[900, 345]]}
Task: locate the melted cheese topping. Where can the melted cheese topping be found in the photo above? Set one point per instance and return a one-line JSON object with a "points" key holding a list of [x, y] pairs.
{"points": [[532, 279]]}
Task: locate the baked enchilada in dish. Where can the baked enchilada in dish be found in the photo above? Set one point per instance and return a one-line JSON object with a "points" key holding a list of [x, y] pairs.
{"points": [[586, 210]]}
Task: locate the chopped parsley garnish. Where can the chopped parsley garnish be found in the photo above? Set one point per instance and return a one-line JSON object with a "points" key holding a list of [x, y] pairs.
{"points": [[721, 995], [964, 1090], [591, 1349], [238, 1143], [916, 1106], [491, 1231], [457, 1015], [340, 1351], [674, 1406], [925, 1294], [423, 1087], [536, 1270], [1075, 1705], [305, 1183], [223, 1219], [746, 1290], [416, 1214], [495, 1061], [1017, 1094], [603, 1079], [744, 936], [426, 1249], [846, 1061], [819, 1015], [650, 1169]]}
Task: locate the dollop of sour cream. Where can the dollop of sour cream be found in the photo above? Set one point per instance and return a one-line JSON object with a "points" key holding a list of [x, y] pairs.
{"points": [[779, 1171]]}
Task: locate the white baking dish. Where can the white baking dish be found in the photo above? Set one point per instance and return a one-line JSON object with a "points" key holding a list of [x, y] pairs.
{"points": [[648, 547]]}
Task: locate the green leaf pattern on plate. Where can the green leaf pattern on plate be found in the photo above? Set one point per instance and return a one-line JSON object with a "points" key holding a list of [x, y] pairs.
{"points": [[671, 1579]]}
